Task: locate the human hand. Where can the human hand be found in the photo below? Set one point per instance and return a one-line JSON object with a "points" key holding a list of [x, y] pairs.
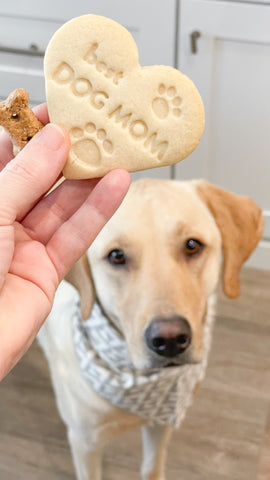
{"points": [[42, 236]]}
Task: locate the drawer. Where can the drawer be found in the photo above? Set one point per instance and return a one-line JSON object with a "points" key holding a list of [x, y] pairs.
{"points": [[22, 34], [22, 46]]}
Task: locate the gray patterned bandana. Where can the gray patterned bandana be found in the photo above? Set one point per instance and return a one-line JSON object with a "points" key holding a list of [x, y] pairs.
{"points": [[160, 396]]}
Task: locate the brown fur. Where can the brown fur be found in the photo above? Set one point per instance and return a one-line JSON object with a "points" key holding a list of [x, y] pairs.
{"points": [[240, 222]]}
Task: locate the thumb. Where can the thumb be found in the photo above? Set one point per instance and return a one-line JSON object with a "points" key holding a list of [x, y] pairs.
{"points": [[32, 172]]}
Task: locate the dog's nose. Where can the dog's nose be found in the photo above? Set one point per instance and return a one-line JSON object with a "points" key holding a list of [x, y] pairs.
{"points": [[168, 337]]}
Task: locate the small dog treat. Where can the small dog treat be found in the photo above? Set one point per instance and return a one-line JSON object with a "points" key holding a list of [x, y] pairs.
{"points": [[18, 119], [118, 114]]}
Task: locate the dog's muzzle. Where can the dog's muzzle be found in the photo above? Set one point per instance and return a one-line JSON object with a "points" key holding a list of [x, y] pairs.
{"points": [[168, 337], [160, 396]]}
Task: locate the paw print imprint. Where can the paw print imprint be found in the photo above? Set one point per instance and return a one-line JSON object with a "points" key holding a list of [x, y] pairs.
{"points": [[88, 143], [167, 101]]}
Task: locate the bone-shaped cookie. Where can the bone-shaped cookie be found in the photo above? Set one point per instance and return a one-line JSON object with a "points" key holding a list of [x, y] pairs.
{"points": [[18, 119], [118, 113]]}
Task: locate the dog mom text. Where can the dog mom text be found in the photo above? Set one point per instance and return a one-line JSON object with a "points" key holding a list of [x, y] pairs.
{"points": [[98, 99]]}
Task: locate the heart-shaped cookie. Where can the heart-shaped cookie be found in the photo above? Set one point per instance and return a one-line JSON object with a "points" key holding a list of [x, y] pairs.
{"points": [[118, 113]]}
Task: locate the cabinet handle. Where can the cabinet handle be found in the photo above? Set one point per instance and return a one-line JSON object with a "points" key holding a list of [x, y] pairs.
{"points": [[194, 36], [32, 51]]}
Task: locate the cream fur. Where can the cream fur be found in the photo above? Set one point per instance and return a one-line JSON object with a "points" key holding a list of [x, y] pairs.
{"points": [[151, 227]]}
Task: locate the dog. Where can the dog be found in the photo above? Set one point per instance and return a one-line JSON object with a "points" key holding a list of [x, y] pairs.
{"points": [[150, 279]]}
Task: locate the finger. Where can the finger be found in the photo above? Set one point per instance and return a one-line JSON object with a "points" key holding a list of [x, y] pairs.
{"points": [[6, 250], [41, 112], [54, 209], [6, 149], [32, 172], [74, 236]]}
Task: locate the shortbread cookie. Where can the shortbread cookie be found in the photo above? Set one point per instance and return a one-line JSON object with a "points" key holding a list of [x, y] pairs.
{"points": [[118, 114], [18, 119]]}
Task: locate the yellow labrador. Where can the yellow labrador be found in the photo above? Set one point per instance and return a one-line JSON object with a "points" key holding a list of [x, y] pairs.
{"points": [[150, 279]]}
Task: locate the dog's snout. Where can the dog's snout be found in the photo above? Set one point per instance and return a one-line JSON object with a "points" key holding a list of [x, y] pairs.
{"points": [[168, 337]]}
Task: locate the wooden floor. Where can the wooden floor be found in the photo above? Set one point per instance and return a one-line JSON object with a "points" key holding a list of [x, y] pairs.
{"points": [[226, 435]]}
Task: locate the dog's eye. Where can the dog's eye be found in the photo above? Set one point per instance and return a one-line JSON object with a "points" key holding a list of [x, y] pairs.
{"points": [[117, 257], [193, 247]]}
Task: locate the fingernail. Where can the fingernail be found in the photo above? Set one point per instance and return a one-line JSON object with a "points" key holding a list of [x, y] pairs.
{"points": [[51, 136]]}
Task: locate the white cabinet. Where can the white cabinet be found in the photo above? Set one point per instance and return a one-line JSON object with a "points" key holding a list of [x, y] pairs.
{"points": [[26, 27], [230, 64]]}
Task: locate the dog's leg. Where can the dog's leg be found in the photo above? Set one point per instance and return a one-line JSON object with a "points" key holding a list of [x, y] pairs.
{"points": [[86, 458], [155, 441]]}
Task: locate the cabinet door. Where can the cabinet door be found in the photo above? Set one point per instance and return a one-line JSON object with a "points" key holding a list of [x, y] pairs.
{"points": [[229, 61], [26, 26]]}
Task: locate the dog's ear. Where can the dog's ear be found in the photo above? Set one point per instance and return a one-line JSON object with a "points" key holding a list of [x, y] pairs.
{"points": [[240, 222], [80, 277]]}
